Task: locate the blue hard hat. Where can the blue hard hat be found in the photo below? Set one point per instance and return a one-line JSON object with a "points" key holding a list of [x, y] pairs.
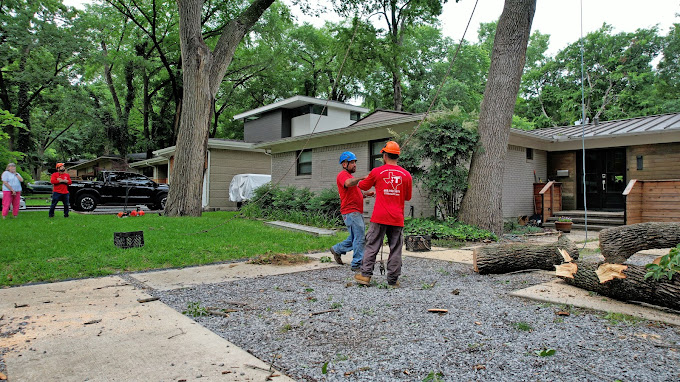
{"points": [[347, 156]]}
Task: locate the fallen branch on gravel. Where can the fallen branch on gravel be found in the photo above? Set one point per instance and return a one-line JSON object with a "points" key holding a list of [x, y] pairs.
{"points": [[504, 258], [324, 311], [619, 243], [143, 300], [217, 313]]}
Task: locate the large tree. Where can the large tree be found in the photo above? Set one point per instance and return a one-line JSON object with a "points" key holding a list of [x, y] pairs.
{"points": [[482, 204], [400, 17], [203, 71]]}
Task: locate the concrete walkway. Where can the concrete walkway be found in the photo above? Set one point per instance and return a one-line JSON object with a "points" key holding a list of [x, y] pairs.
{"points": [[96, 330]]}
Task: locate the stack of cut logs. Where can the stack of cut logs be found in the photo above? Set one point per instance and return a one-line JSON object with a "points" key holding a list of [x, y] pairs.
{"points": [[609, 278]]}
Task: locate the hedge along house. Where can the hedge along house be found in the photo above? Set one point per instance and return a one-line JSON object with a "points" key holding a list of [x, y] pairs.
{"points": [[225, 158]]}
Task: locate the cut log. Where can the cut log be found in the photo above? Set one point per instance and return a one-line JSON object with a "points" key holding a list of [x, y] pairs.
{"points": [[634, 287], [619, 243], [504, 258], [566, 270], [607, 272]]}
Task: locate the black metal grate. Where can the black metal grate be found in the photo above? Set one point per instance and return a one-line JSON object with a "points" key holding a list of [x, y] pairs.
{"points": [[128, 239]]}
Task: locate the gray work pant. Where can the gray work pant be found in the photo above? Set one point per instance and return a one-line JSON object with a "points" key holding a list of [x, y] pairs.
{"points": [[374, 238]]}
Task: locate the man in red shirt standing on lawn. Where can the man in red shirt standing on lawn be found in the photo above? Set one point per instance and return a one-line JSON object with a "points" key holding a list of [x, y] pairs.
{"points": [[60, 181], [352, 210], [393, 186]]}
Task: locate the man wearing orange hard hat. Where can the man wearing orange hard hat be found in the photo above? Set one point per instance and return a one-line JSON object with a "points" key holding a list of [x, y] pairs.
{"points": [[393, 186], [60, 181]]}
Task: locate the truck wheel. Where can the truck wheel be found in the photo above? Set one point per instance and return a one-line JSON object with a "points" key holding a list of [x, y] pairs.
{"points": [[86, 202], [160, 202]]}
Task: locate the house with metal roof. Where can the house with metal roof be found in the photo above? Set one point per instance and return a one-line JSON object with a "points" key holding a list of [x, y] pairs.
{"points": [[615, 152]]}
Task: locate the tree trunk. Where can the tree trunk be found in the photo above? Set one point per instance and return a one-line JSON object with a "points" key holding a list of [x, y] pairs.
{"points": [[634, 287], [203, 72], [504, 258], [482, 203], [619, 243], [396, 88]]}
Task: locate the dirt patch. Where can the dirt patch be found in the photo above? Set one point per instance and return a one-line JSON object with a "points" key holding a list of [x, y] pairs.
{"points": [[280, 259]]}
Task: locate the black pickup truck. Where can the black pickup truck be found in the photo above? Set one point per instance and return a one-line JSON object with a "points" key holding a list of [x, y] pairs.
{"points": [[117, 187]]}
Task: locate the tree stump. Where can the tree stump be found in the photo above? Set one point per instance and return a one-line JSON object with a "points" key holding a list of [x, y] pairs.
{"points": [[504, 258], [634, 287], [619, 243]]}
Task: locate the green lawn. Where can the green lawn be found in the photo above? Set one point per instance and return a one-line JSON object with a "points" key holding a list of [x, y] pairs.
{"points": [[35, 248], [38, 199]]}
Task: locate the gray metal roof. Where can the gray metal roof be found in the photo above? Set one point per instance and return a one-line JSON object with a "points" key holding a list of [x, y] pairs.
{"points": [[633, 126]]}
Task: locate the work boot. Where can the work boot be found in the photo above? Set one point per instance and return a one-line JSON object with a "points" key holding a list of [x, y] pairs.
{"points": [[361, 279], [394, 284], [337, 257]]}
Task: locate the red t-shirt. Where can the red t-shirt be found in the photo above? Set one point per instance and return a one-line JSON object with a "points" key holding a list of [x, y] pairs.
{"points": [[58, 187], [393, 186], [351, 198]]}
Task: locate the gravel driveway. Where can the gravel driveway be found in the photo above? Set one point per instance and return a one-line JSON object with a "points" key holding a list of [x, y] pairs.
{"points": [[381, 334]]}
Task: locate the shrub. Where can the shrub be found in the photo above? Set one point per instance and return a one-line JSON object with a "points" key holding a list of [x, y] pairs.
{"points": [[668, 265], [295, 205], [446, 229]]}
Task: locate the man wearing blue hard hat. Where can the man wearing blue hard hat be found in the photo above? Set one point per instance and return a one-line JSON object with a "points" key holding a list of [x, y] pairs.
{"points": [[352, 209]]}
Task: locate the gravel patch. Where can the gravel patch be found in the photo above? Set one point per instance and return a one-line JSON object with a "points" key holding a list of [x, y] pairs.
{"points": [[381, 334]]}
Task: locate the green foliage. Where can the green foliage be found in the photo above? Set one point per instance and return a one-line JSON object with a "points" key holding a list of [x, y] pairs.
{"points": [[512, 227], [326, 259], [434, 376], [522, 326], [295, 205], [668, 265], [617, 318], [446, 229], [545, 352], [437, 156], [194, 309], [564, 219]]}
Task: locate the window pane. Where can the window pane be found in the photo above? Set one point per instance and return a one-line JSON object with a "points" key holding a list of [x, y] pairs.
{"points": [[306, 156], [304, 168]]}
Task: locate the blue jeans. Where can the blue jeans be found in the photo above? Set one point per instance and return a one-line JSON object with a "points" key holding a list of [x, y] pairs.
{"points": [[355, 241], [56, 197]]}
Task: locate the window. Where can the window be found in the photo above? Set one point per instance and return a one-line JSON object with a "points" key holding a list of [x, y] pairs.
{"points": [[376, 156], [304, 162], [319, 109], [530, 153], [354, 115]]}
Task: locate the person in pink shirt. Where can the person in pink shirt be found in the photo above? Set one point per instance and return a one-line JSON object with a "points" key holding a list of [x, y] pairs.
{"points": [[393, 186], [60, 181]]}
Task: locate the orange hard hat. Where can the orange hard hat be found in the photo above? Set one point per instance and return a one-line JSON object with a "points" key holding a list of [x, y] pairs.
{"points": [[59, 165], [391, 147]]}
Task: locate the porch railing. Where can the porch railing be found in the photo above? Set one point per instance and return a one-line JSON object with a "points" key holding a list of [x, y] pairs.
{"points": [[652, 201], [548, 199]]}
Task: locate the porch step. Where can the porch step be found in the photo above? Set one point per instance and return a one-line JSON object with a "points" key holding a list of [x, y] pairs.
{"points": [[581, 227], [597, 220]]}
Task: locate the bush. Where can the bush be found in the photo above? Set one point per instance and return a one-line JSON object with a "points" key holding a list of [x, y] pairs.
{"points": [[668, 265], [446, 229], [295, 205]]}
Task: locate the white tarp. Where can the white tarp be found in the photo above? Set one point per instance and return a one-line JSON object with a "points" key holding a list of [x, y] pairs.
{"points": [[242, 186]]}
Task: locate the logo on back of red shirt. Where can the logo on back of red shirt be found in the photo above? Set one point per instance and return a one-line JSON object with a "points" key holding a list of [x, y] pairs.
{"points": [[393, 181]]}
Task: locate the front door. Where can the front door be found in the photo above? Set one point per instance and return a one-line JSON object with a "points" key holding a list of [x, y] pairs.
{"points": [[605, 179]]}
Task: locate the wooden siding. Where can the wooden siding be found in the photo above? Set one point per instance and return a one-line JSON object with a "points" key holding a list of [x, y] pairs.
{"points": [[564, 160], [659, 162], [224, 164], [652, 201], [547, 199]]}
